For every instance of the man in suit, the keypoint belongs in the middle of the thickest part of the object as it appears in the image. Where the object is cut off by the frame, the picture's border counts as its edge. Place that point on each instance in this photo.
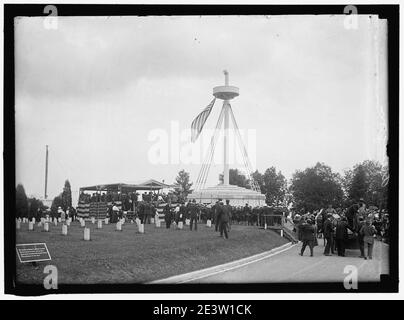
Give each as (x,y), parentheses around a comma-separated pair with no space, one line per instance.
(368,231)
(216,208)
(328,235)
(224,218)
(361,223)
(308,236)
(341,236)
(193,213)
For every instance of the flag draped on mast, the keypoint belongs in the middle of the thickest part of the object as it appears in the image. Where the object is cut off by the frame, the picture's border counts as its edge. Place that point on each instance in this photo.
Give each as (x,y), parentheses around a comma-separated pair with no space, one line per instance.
(199,121)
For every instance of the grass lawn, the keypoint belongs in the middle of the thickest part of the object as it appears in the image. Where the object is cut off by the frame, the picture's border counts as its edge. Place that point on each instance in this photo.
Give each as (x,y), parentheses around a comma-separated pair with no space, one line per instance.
(129,257)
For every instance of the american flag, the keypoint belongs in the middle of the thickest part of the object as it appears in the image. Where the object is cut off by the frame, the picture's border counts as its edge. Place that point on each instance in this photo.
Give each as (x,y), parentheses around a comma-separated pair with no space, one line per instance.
(199,121)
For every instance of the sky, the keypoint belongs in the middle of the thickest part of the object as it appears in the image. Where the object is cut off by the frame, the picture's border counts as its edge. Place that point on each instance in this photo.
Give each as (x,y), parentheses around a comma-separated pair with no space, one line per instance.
(114,97)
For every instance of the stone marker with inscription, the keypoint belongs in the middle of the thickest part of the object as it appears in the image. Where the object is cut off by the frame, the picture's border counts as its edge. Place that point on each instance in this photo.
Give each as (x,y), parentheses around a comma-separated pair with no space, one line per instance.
(32,252)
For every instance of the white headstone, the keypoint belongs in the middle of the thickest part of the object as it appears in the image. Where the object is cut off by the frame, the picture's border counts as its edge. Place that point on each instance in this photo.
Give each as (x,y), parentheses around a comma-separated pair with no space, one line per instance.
(158,223)
(99,225)
(55,221)
(119,226)
(92,220)
(281,233)
(64,230)
(33,220)
(265,226)
(59,219)
(87,234)
(46,226)
(180,225)
(43,220)
(187,222)
(18,224)
(106,221)
(83,223)
(209,223)
(68,222)
(151,220)
(137,220)
(30,226)
(39,224)
(141,227)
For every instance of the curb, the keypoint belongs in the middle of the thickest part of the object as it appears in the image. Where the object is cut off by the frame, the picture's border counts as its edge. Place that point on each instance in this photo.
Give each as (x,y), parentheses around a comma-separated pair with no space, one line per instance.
(203,273)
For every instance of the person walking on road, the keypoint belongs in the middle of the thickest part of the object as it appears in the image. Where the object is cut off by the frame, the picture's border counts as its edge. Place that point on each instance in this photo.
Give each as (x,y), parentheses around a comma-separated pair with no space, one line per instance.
(361,243)
(368,231)
(341,236)
(308,236)
(328,236)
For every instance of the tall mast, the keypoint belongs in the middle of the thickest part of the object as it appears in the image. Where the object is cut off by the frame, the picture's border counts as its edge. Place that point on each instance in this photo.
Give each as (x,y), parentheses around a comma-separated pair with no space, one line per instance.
(226,106)
(46,173)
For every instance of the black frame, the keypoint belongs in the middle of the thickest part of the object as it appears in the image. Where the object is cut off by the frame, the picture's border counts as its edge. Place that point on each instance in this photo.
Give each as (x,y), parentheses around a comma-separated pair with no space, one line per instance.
(389,12)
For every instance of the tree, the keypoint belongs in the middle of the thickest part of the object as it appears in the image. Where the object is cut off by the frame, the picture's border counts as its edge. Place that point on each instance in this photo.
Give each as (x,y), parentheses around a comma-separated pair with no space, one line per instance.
(66,196)
(56,203)
(365,180)
(359,184)
(182,184)
(315,188)
(21,202)
(237,178)
(274,187)
(273,184)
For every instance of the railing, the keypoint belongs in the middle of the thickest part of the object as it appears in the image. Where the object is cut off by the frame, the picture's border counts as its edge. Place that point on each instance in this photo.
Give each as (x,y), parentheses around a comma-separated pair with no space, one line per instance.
(272,220)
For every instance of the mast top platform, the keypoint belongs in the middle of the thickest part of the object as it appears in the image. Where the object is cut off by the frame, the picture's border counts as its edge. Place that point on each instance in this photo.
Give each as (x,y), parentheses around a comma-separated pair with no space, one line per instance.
(226,92)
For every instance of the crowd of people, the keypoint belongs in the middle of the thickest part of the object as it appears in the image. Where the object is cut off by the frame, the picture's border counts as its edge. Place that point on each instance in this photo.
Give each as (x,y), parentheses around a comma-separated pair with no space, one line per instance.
(128,199)
(355,226)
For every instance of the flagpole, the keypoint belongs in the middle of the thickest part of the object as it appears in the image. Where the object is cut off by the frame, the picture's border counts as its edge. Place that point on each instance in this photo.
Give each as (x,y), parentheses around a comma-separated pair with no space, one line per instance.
(226,135)
(226,144)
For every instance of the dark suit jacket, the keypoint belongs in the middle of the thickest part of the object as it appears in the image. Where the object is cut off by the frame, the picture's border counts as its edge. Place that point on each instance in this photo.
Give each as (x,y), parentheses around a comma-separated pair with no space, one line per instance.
(341,232)
(224,213)
(193,211)
(327,229)
(307,232)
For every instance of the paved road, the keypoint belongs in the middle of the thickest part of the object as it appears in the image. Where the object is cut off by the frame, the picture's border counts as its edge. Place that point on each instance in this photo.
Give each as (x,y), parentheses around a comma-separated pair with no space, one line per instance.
(288,266)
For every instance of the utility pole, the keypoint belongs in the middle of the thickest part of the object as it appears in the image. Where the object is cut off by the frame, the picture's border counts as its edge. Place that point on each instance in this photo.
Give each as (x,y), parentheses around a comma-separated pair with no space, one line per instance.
(46,173)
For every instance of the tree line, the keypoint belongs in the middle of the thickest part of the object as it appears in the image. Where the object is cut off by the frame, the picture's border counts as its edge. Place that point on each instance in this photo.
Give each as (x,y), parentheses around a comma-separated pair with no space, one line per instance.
(28,207)
(312,188)
(309,189)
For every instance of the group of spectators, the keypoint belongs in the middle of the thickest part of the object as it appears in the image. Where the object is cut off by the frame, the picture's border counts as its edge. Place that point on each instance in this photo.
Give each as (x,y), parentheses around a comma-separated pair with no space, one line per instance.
(70,212)
(220,214)
(355,226)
